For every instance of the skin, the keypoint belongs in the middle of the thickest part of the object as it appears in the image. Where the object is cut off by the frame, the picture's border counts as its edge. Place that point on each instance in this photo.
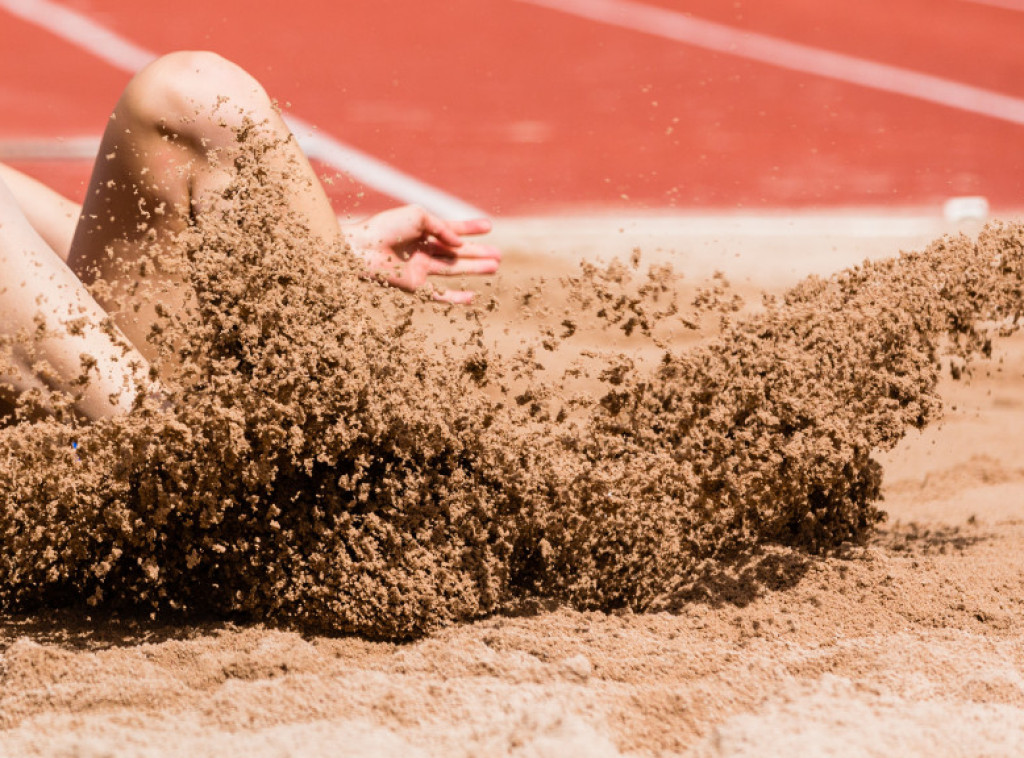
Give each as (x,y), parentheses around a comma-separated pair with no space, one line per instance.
(158,168)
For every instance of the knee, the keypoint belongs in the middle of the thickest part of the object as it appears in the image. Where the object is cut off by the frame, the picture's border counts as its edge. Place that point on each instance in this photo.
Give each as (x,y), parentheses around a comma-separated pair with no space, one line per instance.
(188,87)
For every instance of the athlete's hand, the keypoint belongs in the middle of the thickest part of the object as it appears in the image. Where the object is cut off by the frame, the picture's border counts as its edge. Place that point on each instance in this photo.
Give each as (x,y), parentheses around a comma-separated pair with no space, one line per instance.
(406,245)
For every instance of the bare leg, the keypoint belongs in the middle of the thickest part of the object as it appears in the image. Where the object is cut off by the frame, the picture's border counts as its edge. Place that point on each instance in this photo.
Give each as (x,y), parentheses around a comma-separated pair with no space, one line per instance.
(162,162)
(53,216)
(153,173)
(50,322)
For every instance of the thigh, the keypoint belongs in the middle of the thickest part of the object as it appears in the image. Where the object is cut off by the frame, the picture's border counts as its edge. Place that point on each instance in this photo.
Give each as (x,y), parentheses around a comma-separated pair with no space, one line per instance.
(53,216)
(136,204)
(164,157)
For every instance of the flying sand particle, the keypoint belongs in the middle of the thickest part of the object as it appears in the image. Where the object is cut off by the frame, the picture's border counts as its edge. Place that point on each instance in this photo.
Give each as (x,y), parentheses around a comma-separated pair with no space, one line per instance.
(318,462)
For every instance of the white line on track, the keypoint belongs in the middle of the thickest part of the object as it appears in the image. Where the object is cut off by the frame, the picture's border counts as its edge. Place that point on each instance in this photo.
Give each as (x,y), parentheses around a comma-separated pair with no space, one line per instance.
(59,149)
(1010,5)
(87,34)
(782,53)
(861,224)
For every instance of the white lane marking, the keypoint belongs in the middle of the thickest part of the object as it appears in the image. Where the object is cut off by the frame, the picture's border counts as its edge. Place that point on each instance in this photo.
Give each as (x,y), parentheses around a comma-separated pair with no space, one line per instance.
(375,173)
(58,149)
(866,224)
(1010,5)
(87,34)
(82,31)
(791,55)
(772,251)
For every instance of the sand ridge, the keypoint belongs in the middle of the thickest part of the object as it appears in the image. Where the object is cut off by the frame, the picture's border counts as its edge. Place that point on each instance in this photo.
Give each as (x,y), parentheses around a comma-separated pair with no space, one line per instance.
(619,523)
(316,465)
(905,645)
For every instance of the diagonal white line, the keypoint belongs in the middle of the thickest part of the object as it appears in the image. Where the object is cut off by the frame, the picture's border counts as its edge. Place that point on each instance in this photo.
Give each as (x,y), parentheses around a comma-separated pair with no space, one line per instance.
(376,173)
(87,34)
(774,51)
(1010,5)
(60,149)
(81,31)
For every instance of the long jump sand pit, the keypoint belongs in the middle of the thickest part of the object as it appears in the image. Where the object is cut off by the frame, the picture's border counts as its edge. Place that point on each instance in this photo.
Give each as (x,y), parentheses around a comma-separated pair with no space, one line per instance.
(903,641)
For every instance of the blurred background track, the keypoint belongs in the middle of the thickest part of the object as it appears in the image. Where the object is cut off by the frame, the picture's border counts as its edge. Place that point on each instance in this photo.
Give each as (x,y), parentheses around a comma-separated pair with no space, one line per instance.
(519,108)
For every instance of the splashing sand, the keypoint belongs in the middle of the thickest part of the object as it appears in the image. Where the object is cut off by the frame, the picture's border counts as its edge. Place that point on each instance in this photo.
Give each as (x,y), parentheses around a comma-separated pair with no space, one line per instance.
(321,467)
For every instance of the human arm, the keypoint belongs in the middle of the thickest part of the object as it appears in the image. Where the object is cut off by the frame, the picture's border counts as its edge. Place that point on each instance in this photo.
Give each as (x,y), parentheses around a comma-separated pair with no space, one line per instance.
(406,245)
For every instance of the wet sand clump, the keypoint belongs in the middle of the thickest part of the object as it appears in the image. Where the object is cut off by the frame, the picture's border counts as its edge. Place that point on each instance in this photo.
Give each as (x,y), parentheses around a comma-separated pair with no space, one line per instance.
(320,460)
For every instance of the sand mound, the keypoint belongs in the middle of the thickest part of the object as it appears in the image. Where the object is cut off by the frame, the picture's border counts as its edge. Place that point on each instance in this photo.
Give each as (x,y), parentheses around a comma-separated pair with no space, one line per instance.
(324,462)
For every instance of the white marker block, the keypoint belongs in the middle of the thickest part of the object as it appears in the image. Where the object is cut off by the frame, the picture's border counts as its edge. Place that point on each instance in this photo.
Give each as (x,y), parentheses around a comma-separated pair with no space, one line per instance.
(968,208)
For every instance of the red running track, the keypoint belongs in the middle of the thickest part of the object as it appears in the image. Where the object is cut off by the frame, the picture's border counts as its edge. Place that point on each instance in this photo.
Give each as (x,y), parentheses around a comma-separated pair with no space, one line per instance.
(522,110)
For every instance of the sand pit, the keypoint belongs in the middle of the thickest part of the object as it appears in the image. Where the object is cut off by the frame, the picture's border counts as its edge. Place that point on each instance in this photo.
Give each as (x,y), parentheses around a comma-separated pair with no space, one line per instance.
(901,639)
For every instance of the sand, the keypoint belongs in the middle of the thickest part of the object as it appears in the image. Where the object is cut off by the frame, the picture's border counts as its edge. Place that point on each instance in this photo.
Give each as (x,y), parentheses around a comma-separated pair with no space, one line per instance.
(910,645)
(759,632)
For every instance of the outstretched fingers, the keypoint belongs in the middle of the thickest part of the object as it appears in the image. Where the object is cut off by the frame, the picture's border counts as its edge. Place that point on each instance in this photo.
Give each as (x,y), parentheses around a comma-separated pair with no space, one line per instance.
(467,250)
(450,232)
(449,266)
(407,245)
(471,226)
(454,297)
(446,258)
